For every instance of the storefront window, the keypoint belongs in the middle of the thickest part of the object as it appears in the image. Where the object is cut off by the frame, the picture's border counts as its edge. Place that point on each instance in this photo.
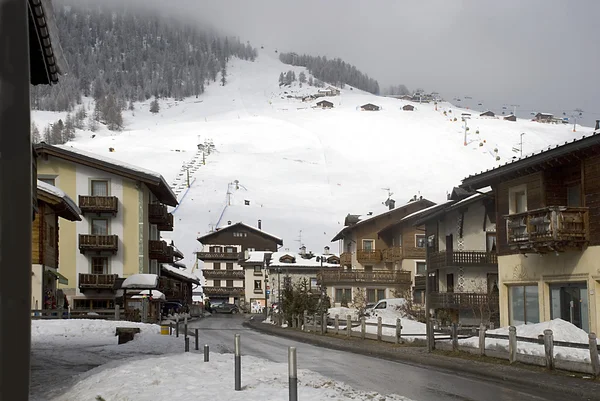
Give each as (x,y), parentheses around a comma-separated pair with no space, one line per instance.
(524,305)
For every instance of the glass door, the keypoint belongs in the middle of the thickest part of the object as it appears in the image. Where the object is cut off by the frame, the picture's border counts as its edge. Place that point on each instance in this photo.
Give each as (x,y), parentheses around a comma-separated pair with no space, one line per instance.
(569,301)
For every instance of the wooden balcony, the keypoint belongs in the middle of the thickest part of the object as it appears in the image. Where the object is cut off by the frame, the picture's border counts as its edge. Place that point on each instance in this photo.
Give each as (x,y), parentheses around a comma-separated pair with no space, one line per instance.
(98,243)
(224,274)
(99,204)
(220,255)
(172,289)
(346,259)
(368,256)
(442,259)
(463,300)
(160,251)
(550,229)
(384,277)
(158,214)
(97,281)
(231,291)
(412,252)
(393,254)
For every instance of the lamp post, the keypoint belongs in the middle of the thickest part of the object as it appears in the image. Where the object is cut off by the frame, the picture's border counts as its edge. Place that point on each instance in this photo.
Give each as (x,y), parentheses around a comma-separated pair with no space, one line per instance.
(266,295)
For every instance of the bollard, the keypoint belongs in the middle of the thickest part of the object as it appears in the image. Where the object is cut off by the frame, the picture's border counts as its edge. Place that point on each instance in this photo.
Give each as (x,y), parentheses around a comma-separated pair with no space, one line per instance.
(512,344)
(315,322)
(337,324)
(177,326)
(185,334)
(363,327)
(398,331)
(348,326)
(196,335)
(238,363)
(187,344)
(454,337)
(323,323)
(206,352)
(379,328)
(117,313)
(171,328)
(594,354)
(304,321)
(293,374)
(549,348)
(482,339)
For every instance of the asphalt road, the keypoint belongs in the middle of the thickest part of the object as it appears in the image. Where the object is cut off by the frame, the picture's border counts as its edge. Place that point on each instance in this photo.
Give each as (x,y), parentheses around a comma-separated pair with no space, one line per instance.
(362,372)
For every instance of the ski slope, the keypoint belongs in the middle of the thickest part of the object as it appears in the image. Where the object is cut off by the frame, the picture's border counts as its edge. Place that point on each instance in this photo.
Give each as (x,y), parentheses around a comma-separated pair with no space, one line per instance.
(300,169)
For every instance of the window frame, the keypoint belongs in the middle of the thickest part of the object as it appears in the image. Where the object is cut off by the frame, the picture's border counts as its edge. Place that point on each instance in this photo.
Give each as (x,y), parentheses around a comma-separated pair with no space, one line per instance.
(99,180)
(417,263)
(512,198)
(417,236)
(105,267)
(372,241)
(106,220)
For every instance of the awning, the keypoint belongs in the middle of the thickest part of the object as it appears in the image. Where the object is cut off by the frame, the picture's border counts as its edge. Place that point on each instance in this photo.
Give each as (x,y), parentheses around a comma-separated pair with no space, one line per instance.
(61,279)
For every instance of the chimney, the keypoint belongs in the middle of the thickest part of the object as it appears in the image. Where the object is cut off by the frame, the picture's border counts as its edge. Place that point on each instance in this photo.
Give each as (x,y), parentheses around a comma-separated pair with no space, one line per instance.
(302,250)
(597,125)
(326,251)
(391,204)
(228,222)
(260,224)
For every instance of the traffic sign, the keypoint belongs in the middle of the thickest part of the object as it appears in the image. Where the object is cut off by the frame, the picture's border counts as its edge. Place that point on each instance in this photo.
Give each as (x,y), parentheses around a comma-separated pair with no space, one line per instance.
(268,292)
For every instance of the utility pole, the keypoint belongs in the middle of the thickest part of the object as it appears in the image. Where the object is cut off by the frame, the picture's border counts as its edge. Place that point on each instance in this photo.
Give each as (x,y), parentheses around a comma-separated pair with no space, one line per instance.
(15,201)
(429,335)
(521,147)
(465,140)
(514,106)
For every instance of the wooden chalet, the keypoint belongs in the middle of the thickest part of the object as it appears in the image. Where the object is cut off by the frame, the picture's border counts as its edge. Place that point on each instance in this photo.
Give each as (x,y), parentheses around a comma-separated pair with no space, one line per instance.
(548,234)
(511,117)
(370,107)
(408,107)
(544,117)
(325,104)
(487,114)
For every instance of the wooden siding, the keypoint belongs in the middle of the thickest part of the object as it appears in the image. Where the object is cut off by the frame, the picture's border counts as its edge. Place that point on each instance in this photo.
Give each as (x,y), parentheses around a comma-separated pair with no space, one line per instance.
(251,240)
(556,181)
(591,185)
(37,237)
(535,200)
(44,236)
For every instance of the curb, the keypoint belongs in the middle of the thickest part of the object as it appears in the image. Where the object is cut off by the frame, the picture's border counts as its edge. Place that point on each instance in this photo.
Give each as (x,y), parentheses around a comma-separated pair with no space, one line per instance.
(499,373)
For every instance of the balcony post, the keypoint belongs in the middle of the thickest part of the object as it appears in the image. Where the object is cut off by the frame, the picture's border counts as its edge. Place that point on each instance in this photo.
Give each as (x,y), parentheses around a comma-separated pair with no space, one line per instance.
(428,327)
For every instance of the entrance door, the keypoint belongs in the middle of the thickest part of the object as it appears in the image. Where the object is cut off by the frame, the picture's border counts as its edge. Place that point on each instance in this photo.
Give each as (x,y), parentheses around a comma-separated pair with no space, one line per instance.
(449,243)
(569,302)
(450,282)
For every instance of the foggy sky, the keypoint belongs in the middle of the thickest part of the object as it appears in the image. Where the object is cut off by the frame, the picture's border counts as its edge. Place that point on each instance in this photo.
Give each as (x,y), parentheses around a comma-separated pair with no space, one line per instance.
(541,54)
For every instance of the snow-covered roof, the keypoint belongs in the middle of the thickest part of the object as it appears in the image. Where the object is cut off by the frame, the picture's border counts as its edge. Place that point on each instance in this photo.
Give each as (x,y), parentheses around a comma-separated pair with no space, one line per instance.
(299,261)
(141,281)
(256,256)
(427,209)
(155,294)
(73,211)
(181,273)
(237,225)
(482,192)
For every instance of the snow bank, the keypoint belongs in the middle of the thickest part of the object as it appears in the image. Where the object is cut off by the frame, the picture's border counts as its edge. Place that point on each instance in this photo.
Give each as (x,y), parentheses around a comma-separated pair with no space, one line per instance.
(187,377)
(343,312)
(43,330)
(141,281)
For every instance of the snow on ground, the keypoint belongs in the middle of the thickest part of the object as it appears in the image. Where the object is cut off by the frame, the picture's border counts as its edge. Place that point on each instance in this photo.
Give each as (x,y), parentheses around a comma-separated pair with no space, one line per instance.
(561,330)
(154,366)
(303,169)
(343,312)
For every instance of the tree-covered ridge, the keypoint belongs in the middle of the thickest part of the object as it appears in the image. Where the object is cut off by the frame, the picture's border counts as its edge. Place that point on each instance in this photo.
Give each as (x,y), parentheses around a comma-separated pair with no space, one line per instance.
(336,71)
(133,57)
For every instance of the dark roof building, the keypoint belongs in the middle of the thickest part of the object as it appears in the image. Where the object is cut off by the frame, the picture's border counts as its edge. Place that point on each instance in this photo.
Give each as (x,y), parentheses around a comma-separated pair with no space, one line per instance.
(370,107)
(408,107)
(325,104)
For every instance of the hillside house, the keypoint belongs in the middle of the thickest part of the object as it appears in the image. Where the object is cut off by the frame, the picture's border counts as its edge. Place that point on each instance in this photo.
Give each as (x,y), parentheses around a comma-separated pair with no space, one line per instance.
(329,91)
(369,107)
(325,104)
(487,114)
(511,117)
(548,234)
(124,209)
(408,107)
(223,252)
(52,203)
(544,117)
(461,259)
(371,264)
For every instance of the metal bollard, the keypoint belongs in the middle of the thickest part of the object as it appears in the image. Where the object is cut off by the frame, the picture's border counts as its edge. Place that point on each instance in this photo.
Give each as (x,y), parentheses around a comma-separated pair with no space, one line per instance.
(187,344)
(196,336)
(238,363)
(293,374)
(185,327)
(206,351)
(177,326)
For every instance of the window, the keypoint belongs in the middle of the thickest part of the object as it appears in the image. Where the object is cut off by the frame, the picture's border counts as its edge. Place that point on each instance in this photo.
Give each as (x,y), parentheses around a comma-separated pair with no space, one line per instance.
(313,283)
(421,268)
(50,181)
(99,188)
(343,295)
(217,283)
(229,266)
(154,232)
(368,245)
(490,242)
(99,227)
(217,249)
(369,268)
(397,241)
(375,295)
(524,304)
(153,266)
(240,234)
(257,271)
(287,282)
(381,305)
(420,240)
(229,283)
(258,284)
(517,199)
(230,249)
(100,265)
(419,297)
(574,195)
(217,265)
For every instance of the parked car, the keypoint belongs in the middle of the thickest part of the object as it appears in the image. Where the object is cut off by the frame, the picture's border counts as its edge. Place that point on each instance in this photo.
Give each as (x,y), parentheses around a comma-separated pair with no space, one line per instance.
(170,308)
(388,304)
(225,308)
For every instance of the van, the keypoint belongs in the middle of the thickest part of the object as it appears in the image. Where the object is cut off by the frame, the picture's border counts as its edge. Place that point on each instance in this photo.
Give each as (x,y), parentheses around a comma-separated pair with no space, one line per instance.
(387,304)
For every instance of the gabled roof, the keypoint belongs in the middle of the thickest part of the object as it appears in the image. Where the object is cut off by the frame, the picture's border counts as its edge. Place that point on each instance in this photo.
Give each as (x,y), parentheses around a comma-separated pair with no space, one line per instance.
(46,58)
(296,260)
(589,144)
(154,181)
(409,218)
(181,274)
(453,204)
(398,210)
(61,202)
(277,240)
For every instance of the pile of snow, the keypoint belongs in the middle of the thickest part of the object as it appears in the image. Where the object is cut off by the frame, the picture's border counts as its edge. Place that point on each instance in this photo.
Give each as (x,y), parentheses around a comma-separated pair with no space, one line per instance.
(561,331)
(343,312)
(44,330)
(187,377)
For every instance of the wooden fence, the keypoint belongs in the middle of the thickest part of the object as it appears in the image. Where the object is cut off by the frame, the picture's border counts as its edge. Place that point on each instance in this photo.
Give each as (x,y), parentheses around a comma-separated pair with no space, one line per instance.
(106,314)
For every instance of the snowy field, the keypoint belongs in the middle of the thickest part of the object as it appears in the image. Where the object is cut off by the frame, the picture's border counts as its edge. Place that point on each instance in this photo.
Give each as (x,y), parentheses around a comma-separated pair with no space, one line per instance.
(154,367)
(302,169)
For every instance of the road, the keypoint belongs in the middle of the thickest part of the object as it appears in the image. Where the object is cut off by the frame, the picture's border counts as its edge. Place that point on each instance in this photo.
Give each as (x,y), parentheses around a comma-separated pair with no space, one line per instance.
(359,371)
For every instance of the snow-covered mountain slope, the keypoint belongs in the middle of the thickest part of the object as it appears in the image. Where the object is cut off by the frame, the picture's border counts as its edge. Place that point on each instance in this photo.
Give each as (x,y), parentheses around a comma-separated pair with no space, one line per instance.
(303,169)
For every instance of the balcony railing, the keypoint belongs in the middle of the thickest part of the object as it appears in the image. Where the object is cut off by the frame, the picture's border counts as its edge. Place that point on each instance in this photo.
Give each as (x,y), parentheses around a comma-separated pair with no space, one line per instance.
(224,274)
(368,256)
(97,281)
(441,259)
(346,258)
(235,291)
(158,214)
(463,300)
(98,204)
(550,228)
(88,242)
(171,288)
(398,277)
(393,254)
(220,255)
(412,252)
(160,251)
